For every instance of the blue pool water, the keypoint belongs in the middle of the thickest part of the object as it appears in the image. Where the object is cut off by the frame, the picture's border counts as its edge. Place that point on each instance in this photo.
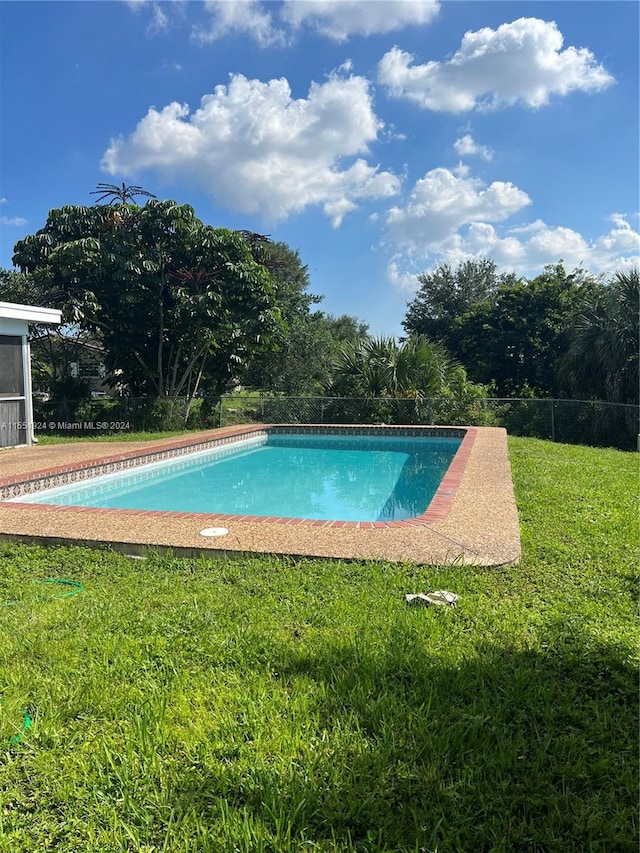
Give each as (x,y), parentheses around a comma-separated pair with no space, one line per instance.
(342,478)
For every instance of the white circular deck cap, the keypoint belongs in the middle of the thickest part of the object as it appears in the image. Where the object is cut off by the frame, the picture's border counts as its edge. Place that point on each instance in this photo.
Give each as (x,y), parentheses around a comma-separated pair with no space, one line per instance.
(214,531)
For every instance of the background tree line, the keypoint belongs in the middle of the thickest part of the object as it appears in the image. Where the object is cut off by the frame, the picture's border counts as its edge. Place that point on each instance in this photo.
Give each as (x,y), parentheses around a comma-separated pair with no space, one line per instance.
(173,307)
(559,334)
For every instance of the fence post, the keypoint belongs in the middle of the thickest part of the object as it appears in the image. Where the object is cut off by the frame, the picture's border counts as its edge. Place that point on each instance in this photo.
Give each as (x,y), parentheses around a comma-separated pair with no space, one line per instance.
(553,420)
(220,415)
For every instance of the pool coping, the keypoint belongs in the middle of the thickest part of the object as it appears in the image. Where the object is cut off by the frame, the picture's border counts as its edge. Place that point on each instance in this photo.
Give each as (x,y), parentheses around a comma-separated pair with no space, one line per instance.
(458,525)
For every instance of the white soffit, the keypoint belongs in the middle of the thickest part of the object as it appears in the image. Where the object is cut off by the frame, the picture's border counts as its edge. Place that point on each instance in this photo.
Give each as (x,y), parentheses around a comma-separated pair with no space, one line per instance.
(29,313)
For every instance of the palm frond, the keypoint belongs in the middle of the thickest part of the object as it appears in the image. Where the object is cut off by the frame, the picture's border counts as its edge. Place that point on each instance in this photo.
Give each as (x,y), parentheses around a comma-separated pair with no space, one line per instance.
(119,194)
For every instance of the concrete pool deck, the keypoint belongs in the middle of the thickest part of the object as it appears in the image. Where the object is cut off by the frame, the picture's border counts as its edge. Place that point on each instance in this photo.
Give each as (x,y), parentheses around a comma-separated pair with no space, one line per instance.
(472,519)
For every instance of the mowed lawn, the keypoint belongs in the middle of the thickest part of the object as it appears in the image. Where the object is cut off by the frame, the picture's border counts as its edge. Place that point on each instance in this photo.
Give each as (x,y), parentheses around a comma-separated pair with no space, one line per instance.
(274,704)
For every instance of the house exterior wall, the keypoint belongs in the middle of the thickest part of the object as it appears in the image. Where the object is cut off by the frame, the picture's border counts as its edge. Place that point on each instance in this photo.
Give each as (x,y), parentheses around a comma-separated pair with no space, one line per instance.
(15,390)
(16,408)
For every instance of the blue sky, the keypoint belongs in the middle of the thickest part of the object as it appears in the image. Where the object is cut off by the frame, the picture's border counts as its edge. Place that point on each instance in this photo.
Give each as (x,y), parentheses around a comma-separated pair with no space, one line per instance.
(377,138)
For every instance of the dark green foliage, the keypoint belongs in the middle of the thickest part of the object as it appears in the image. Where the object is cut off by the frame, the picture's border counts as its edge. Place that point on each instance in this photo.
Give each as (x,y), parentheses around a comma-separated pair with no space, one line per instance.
(514,340)
(601,360)
(162,292)
(381,380)
(382,367)
(508,333)
(558,334)
(447,293)
(18,287)
(289,365)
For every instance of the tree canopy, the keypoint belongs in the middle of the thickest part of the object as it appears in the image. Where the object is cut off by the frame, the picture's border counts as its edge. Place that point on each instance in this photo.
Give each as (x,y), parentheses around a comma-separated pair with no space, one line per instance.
(601,360)
(160,290)
(448,293)
(514,340)
(510,333)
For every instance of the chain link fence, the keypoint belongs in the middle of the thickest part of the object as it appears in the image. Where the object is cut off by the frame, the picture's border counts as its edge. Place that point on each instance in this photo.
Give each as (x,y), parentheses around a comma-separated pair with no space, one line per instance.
(568,421)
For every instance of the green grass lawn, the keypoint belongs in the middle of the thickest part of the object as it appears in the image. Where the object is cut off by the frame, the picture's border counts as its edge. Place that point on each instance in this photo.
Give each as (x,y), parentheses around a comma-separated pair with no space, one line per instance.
(122,435)
(273,704)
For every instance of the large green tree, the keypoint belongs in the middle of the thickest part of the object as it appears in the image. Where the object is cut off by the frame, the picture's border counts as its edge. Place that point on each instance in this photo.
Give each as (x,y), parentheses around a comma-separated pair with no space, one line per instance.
(17,287)
(160,290)
(514,339)
(447,293)
(289,365)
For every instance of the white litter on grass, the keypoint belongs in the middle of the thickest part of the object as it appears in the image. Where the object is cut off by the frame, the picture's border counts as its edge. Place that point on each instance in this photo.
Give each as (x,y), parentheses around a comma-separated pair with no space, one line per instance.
(214,531)
(440,596)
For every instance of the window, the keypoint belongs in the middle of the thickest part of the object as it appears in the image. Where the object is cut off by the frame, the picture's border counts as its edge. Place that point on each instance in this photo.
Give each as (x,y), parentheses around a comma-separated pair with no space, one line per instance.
(11,373)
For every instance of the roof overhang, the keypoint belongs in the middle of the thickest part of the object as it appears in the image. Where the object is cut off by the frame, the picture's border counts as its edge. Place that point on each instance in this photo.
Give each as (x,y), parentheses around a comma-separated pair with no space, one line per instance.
(30,313)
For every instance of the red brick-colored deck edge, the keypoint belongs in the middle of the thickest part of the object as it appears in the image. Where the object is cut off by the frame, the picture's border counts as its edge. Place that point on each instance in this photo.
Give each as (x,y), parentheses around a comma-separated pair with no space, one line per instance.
(437,510)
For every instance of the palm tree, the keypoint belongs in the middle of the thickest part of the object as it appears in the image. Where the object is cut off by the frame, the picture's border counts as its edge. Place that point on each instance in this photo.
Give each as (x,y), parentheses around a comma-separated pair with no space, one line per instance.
(380,367)
(602,358)
(422,369)
(119,194)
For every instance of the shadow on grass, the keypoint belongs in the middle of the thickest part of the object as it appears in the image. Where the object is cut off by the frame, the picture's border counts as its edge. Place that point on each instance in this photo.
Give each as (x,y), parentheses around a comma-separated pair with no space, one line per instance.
(513,750)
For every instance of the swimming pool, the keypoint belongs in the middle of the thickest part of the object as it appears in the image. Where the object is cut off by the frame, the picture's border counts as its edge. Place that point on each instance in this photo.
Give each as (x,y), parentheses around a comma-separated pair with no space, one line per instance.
(472,517)
(322,476)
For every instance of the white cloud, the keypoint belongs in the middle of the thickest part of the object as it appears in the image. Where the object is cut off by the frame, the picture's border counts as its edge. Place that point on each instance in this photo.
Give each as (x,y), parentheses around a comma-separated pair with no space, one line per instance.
(159,21)
(334,19)
(547,244)
(521,62)
(466,146)
(337,210)
(451,216)
(12,220)
(442,202)
(247,16)
(619,248)
(620,220)
(529,228)
(346,67)
(461,170)
(619,241)
(340,19)
(255,149)
(402,280)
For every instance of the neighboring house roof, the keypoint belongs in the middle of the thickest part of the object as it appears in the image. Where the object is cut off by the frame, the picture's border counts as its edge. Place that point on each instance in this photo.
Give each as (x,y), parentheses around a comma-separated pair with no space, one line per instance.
(29,313)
